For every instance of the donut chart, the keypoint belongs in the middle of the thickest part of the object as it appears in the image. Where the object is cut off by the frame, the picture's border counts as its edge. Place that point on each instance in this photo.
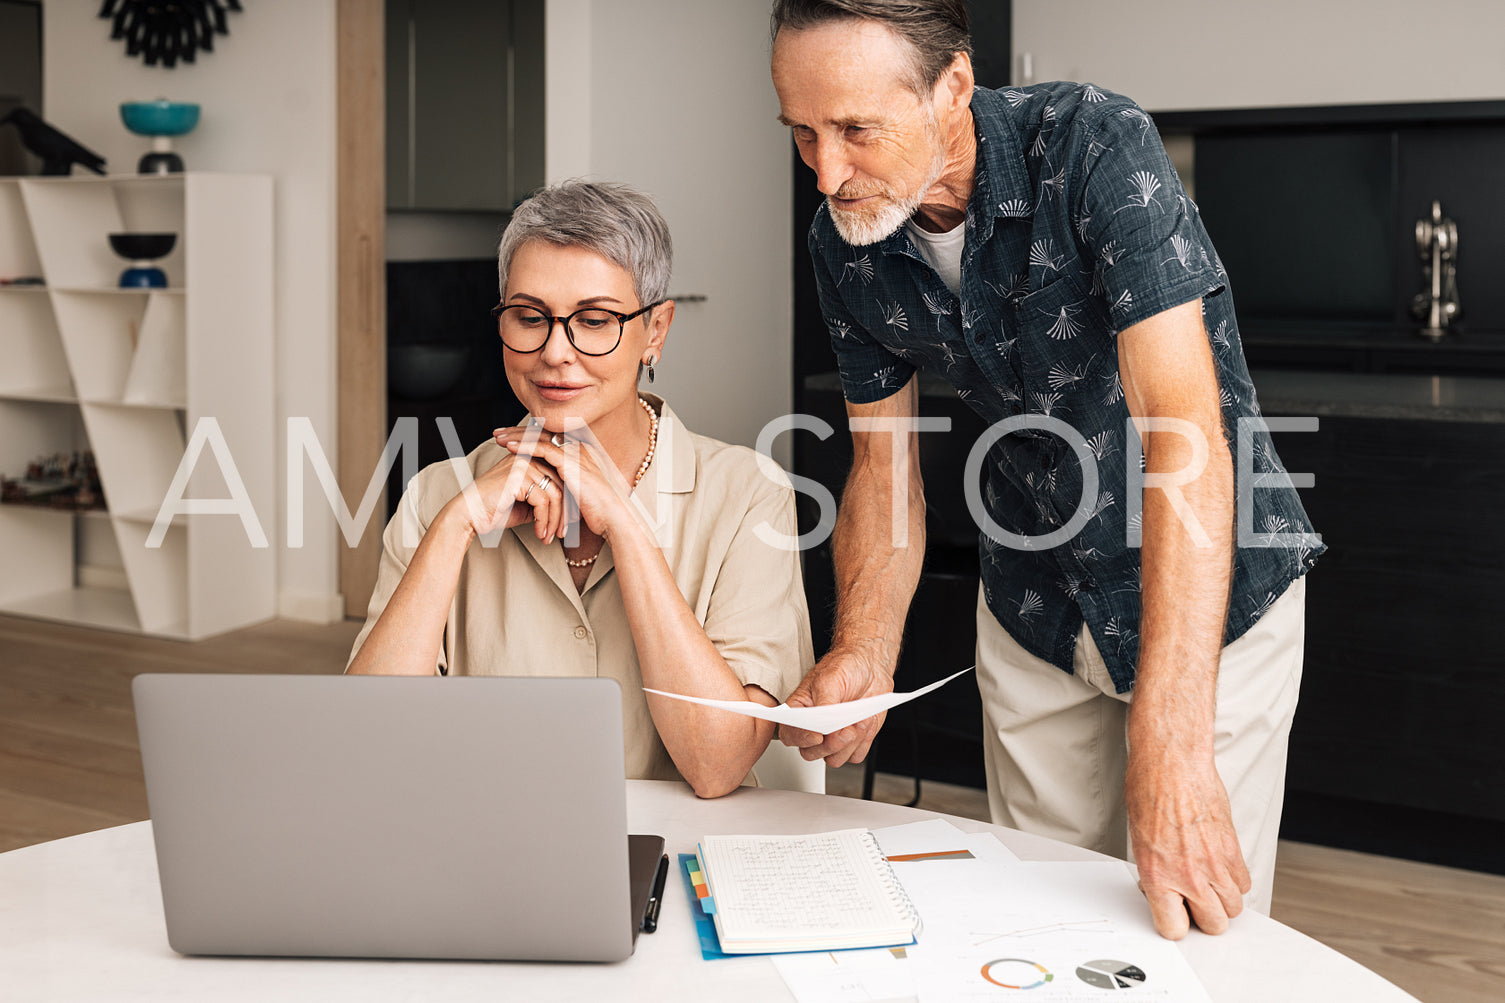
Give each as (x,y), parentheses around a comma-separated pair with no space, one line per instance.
(1016,973)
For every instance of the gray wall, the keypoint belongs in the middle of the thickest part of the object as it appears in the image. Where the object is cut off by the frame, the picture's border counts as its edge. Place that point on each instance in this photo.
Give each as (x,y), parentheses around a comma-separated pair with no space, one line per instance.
(1183,54)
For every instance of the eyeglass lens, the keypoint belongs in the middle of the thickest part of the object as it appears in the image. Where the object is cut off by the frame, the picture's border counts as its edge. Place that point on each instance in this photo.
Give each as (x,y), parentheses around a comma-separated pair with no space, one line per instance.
(593,332)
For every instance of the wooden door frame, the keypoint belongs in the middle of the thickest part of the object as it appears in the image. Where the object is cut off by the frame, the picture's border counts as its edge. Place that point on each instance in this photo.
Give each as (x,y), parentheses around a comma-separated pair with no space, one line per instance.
(361,281)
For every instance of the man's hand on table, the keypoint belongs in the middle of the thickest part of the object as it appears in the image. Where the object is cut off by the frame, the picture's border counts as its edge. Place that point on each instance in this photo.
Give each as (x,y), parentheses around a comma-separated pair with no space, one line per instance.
(1181,830)
(837,678)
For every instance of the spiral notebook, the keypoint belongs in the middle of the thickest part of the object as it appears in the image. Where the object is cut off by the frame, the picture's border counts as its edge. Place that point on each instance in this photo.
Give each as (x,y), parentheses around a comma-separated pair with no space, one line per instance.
(820,892)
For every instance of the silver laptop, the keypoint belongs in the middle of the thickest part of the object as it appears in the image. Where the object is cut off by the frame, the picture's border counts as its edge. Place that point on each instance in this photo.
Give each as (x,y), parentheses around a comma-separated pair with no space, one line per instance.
(371,817)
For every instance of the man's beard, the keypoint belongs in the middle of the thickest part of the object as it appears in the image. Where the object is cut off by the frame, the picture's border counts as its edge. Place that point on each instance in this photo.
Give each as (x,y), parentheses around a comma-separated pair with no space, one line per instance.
(865,226)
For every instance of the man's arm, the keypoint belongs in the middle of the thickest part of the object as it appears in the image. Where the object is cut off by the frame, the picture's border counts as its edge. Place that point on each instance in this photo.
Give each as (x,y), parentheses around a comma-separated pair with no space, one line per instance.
(1180,823)
(875,580)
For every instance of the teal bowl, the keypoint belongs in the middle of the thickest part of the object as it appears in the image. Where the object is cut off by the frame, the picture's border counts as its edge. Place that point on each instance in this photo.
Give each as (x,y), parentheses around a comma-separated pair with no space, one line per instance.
(159,118)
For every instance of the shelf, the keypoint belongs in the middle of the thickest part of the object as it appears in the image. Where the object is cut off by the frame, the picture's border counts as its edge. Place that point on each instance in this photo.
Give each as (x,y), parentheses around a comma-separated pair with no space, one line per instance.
(158,575)
(149,405)
(72,219)
(18,252)
(31,347)
(142,516)
(91,366)
(42,395)
(137,451)
(127,348)
(120,290)
(109,609)
(107,180)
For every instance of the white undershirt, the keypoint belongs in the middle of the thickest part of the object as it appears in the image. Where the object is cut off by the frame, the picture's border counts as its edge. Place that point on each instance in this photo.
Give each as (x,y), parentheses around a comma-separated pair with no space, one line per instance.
(943,251)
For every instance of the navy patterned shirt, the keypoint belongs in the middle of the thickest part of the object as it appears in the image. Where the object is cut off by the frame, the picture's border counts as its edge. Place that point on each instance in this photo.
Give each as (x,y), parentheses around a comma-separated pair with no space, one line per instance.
(1077,228)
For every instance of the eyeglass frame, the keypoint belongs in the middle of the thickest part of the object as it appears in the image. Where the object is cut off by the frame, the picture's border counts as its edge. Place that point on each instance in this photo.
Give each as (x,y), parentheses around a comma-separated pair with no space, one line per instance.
(622,319)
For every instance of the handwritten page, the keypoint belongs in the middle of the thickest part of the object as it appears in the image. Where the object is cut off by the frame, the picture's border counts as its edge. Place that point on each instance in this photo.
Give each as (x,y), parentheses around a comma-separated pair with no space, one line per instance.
(815,892)
(823,719)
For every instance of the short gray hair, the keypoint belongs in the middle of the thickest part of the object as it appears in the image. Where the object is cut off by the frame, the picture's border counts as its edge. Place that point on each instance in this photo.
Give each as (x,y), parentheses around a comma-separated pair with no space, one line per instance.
(616,221)
(936,29)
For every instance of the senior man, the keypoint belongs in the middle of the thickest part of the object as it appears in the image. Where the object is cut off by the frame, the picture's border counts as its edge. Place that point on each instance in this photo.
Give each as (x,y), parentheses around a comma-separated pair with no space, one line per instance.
(1139,647)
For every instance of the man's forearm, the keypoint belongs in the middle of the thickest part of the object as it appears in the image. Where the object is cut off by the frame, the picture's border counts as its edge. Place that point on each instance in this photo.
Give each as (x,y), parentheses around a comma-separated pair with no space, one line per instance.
(875,580)
(1185,603)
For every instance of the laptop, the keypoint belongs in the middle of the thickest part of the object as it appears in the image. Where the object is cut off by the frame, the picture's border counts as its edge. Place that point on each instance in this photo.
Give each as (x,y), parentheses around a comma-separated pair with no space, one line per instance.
(379,817)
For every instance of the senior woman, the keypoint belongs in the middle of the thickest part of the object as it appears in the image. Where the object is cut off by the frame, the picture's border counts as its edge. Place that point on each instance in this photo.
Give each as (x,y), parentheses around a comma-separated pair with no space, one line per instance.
(600,537)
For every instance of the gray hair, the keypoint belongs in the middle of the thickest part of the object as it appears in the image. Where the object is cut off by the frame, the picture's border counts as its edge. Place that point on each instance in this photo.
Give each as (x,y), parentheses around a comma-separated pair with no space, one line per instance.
(615,221)
(936,29)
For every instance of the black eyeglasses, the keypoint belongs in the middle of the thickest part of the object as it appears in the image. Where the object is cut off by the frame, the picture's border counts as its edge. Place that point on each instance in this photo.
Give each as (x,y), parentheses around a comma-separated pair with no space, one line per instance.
(592,330)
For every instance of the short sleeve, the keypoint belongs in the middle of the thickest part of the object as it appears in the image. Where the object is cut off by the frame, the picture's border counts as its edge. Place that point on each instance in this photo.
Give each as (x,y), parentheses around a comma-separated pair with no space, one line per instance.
(869,372)
(1149,249)
(398,542)
(757,616)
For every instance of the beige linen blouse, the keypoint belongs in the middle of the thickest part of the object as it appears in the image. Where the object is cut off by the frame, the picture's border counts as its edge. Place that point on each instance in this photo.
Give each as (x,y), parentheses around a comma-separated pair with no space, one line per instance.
(516,611)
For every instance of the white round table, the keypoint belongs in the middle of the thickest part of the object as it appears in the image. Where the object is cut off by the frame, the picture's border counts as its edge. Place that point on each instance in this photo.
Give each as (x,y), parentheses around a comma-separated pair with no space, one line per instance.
(81,918)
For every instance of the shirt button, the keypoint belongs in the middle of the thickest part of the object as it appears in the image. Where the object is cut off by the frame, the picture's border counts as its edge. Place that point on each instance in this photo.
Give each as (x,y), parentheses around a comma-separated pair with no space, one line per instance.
(977,338)
(580,633)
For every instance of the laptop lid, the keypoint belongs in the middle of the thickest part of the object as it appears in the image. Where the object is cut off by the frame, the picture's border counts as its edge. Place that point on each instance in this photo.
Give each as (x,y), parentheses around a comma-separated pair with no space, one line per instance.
(348,816)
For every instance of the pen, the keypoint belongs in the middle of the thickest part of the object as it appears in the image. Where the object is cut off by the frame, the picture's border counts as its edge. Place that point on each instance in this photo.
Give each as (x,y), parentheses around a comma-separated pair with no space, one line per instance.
(656,897)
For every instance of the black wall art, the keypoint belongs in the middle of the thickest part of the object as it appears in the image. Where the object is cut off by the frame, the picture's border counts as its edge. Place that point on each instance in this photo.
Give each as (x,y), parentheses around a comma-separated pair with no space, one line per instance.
(165,31)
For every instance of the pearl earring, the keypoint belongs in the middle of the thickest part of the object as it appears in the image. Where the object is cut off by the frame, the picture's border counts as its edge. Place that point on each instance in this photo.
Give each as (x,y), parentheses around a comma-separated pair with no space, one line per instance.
(650,362)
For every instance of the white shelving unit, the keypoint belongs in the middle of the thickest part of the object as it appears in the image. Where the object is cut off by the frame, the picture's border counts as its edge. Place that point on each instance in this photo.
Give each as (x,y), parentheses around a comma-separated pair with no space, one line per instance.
(128,373)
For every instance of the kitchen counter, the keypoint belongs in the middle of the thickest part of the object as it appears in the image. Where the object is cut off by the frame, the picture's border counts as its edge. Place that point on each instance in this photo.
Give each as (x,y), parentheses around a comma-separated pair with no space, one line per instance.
(1412,396)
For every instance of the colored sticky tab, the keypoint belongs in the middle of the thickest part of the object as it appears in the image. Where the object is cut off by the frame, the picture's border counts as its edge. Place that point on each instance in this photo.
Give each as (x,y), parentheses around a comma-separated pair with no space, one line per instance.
(698,883)
(705,927)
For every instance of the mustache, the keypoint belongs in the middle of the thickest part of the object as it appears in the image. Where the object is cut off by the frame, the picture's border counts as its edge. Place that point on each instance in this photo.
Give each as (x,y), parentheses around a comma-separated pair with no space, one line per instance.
(854,193)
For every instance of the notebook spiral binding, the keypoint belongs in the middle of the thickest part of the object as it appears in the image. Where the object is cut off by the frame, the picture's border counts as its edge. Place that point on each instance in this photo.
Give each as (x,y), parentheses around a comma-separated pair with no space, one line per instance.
(891,881)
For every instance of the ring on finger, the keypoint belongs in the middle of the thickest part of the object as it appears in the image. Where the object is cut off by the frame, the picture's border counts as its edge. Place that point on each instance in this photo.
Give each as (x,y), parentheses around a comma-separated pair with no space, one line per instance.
(542,482)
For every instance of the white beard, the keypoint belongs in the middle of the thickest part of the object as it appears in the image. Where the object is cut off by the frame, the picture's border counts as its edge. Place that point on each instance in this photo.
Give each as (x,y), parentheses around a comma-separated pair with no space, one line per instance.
(868,226)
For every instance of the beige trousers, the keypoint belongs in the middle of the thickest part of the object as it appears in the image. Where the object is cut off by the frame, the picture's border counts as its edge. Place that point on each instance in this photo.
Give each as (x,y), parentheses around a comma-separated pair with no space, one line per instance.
(1056,747)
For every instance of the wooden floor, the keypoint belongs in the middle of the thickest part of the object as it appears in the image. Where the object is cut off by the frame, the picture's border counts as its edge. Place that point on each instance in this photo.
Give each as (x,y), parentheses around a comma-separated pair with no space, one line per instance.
(69,763)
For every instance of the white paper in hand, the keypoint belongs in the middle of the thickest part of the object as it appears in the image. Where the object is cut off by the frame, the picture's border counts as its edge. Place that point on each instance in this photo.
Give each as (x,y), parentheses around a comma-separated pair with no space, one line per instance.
(823,719)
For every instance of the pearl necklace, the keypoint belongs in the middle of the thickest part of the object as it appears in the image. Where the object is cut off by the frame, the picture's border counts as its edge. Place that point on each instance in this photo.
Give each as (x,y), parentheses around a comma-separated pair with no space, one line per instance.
(642,469)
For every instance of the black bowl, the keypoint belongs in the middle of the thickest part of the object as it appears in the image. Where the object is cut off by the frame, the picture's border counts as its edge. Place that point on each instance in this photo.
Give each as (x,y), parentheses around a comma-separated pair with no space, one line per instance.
(143,246)
(421,372)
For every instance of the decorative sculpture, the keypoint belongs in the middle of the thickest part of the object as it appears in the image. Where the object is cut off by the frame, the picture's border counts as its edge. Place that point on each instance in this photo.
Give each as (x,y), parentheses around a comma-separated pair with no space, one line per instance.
(167,32)
(59,151)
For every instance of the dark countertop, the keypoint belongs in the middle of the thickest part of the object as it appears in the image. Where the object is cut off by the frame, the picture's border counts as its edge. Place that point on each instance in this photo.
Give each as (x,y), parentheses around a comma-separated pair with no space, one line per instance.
(1414,396)
(1406,396)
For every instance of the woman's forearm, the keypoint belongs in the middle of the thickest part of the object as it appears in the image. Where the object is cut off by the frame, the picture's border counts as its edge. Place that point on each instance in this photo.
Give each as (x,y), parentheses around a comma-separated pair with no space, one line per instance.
(714,750)
(409,632)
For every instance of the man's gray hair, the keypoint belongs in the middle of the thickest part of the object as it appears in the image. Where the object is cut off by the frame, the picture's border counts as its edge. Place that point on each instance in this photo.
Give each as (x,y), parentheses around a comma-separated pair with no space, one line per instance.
(937,29)
(616,221)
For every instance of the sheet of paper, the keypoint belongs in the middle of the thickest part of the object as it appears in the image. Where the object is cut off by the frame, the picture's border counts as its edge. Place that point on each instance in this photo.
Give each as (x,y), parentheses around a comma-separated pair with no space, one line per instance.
(938,835)
(936,885)
(1063,931)
(882,975)
(824,719)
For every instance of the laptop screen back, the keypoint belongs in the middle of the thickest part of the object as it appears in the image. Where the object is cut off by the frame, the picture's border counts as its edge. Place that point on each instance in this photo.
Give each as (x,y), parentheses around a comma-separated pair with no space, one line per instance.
(388,817)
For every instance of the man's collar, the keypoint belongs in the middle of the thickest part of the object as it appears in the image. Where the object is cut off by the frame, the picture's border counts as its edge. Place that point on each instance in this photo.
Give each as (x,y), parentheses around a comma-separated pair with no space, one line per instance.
(1002,186)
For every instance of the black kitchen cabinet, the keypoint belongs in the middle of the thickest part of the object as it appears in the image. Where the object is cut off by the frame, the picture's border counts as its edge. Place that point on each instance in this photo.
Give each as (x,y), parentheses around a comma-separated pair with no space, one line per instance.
(1396,746)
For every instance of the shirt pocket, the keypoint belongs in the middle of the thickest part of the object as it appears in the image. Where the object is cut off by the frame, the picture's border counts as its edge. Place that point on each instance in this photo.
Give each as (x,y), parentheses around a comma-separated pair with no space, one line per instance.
(1066,355)
(1062,332)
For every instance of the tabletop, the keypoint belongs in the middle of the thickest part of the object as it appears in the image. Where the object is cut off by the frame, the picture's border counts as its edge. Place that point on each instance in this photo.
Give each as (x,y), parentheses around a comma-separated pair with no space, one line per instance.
(81,918)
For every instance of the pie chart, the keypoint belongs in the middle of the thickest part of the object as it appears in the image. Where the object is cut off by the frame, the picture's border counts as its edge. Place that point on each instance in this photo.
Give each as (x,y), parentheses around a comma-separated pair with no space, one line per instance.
(1111,974)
